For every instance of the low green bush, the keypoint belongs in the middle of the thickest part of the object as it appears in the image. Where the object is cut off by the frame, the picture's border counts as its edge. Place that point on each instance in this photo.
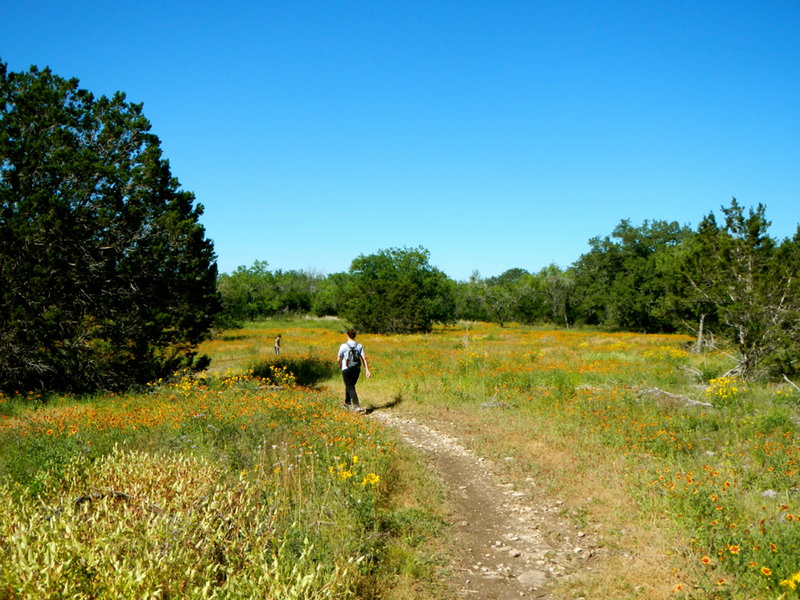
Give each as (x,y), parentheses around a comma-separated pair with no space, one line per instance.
(308,370)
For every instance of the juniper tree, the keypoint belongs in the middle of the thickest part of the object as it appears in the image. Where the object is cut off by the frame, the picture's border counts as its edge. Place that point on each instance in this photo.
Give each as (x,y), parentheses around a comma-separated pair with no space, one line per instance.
(749,281)
(106,276)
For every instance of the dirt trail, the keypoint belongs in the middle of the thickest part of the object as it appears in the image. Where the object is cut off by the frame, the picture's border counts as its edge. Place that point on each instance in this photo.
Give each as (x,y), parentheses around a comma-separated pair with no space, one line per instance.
(510,542)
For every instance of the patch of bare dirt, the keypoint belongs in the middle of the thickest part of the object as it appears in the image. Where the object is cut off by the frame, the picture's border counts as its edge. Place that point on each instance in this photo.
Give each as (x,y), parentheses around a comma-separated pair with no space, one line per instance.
(509,540)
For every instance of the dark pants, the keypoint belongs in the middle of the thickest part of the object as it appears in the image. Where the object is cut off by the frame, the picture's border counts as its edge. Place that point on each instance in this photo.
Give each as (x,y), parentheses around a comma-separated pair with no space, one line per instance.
(350,377)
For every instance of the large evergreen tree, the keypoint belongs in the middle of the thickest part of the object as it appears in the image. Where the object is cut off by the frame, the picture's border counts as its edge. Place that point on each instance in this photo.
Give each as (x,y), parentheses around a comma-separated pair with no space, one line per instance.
(106,276)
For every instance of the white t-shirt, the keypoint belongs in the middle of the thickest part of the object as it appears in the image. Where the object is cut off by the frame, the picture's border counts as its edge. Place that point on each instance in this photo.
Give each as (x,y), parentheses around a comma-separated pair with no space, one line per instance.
(344,350)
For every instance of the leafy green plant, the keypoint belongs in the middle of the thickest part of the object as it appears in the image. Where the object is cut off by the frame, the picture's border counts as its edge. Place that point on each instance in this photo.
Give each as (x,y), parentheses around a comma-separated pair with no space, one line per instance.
(287,369)
(724,391)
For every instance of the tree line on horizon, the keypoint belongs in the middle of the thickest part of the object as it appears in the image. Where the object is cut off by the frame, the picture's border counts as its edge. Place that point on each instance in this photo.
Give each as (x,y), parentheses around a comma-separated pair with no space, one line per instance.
(107,278)
(729,280)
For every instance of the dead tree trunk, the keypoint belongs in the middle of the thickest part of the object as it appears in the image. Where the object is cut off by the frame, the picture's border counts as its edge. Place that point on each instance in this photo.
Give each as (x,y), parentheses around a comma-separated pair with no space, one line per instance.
(698,346)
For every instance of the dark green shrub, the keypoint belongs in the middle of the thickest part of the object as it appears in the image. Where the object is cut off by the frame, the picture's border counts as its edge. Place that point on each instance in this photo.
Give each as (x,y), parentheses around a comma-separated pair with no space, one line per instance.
(307,370)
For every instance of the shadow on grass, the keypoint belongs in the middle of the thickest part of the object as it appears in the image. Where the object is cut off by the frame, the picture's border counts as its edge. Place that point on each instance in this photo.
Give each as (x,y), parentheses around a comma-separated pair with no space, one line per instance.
(397,399)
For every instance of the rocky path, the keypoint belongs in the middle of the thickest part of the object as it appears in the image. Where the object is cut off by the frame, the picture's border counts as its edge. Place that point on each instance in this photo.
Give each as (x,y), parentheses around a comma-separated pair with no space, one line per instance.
(510,542)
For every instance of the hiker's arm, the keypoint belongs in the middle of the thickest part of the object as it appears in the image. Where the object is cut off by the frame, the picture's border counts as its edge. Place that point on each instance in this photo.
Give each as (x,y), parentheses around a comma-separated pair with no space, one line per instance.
(366,366)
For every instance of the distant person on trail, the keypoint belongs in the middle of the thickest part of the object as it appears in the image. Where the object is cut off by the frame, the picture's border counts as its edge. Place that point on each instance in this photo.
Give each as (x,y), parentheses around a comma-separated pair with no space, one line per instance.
(278,344)
(351,355)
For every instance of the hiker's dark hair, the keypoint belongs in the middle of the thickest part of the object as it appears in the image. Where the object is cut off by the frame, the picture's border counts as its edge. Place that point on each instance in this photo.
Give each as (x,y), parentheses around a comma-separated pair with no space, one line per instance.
(351,333)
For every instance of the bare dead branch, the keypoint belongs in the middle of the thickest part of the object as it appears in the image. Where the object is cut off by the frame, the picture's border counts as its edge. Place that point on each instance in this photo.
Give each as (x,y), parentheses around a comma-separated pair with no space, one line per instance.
(689,401)
(714,347)
(791,383)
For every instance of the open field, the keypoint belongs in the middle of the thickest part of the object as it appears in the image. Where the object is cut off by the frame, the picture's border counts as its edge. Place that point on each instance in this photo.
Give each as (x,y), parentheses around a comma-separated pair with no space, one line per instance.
(215,487)
(688,477)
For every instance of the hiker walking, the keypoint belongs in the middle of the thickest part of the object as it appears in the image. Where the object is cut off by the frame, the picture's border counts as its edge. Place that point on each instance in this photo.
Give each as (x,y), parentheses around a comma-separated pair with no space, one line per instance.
(278,344)
(351,355)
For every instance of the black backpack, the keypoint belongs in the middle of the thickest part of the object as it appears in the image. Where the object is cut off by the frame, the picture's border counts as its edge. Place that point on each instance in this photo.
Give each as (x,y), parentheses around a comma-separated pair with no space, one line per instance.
(353,356)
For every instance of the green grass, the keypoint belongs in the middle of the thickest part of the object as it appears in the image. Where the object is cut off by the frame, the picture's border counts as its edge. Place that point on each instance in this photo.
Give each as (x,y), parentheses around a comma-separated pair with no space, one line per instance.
(689,501)
(613,423)
(211,487)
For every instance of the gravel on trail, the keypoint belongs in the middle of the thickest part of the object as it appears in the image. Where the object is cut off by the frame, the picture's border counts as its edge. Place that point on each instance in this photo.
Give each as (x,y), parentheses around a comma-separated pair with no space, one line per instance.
(509,540)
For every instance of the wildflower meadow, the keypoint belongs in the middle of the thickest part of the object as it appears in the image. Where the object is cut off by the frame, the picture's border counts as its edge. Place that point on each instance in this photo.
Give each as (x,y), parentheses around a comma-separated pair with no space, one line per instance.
(200,487)
(230,485)
(670,459)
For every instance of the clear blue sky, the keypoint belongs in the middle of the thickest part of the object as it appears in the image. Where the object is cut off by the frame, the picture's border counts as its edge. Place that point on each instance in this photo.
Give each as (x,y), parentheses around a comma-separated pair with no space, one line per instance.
(494,134)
